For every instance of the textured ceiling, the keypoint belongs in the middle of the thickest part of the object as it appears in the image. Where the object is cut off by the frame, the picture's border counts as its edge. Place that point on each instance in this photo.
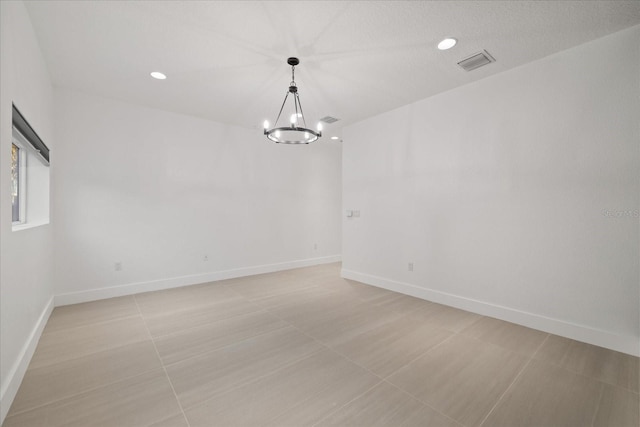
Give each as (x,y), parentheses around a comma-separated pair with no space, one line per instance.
(226,61)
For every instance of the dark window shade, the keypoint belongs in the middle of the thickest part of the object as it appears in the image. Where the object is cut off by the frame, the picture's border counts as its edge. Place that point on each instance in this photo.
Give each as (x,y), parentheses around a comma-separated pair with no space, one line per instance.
(27,131)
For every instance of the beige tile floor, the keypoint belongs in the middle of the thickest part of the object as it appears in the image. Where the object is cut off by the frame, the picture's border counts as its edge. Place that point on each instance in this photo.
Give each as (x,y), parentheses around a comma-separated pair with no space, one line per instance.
(307,348)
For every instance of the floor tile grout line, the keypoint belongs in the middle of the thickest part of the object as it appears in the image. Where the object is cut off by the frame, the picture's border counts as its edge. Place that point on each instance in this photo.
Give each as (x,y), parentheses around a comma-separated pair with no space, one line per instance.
(89,390)
(258,302)
(287,324)
(346,404)
(276,295)
(260,377)
(332,291)
(114,347)
(595,412)
(422,354)
(423,402)
(356,295)
(574,371)
(106,384)
(383,379)
(583,375)
(580,374)
(190,307)
(258,309)
(328,348)
(386,378)
(162,364)
(256,378)
(602,383)
(550,362)
(628,390)
(102,322)
(271,312)
(170,364)
(204,325)
(109,348)
(358,303)
(255,303)
(524,367)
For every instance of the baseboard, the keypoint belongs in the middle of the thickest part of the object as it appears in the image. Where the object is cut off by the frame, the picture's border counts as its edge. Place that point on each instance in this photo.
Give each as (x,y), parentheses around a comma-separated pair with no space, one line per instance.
(625,344)
(175,282)
(12,382)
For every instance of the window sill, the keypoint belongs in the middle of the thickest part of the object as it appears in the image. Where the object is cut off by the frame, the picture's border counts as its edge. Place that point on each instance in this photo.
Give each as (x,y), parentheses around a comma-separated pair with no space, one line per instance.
(28,225)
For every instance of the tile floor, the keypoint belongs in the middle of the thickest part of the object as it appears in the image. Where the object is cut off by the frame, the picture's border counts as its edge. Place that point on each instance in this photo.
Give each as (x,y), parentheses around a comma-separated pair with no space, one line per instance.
(307,348)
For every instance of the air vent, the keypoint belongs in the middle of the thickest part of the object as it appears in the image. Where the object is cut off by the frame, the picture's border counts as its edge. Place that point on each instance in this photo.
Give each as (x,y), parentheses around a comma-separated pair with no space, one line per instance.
(476,61)
(329,119)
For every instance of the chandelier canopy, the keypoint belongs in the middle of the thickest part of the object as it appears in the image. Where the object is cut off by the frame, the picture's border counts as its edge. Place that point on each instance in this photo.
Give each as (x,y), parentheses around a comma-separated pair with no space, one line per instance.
(297,131)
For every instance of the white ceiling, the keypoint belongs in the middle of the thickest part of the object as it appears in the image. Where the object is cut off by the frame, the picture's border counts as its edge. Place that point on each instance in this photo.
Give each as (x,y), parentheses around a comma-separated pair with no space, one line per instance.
(226,60)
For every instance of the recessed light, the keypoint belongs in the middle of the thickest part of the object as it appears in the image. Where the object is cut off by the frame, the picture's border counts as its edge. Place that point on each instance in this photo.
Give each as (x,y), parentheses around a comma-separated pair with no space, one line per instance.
(447,43)
(158,75)
(334,137)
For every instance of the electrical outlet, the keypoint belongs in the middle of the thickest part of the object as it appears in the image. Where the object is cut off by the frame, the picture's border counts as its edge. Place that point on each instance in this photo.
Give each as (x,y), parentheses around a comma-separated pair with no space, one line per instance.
(410,266)
(205,258)
(356,214)
(117,266)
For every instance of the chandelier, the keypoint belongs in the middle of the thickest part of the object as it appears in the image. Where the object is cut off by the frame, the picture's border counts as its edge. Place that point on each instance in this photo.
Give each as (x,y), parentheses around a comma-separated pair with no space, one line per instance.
(297,131)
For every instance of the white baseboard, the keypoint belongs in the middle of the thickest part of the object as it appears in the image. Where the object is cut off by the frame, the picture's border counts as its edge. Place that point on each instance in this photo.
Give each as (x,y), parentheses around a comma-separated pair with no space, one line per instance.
(625,344)
(11,383)
(175,282)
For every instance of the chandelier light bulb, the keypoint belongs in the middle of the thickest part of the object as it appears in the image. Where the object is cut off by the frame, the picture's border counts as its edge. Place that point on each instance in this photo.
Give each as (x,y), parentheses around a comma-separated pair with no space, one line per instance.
(319,127)
(266,124)
(277,134)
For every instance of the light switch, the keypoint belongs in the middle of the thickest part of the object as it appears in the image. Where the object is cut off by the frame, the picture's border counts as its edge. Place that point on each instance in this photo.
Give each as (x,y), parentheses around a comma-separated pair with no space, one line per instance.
(349,214)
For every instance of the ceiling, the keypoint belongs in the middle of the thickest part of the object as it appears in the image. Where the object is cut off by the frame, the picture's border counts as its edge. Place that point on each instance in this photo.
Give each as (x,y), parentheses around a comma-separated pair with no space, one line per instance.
(226,60)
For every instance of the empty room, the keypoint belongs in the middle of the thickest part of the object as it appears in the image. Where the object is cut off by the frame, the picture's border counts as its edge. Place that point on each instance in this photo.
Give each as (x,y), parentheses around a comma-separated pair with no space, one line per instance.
(319,213)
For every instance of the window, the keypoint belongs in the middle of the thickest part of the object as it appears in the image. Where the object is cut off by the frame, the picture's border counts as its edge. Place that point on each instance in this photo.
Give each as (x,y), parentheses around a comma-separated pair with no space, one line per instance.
(29,176)
(18,183)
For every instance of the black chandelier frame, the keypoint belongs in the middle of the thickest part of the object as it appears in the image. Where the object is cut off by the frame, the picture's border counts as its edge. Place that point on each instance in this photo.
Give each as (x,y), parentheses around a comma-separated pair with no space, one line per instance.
(285,134)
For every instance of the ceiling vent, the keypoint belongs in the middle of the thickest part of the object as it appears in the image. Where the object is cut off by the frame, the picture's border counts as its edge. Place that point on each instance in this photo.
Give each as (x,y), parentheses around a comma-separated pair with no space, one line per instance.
(476,61)
(329,119)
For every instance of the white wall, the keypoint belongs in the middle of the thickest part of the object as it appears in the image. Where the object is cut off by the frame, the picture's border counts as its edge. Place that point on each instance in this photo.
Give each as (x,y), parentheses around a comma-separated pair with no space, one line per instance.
(26,285)
(516,196)
(157,191)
